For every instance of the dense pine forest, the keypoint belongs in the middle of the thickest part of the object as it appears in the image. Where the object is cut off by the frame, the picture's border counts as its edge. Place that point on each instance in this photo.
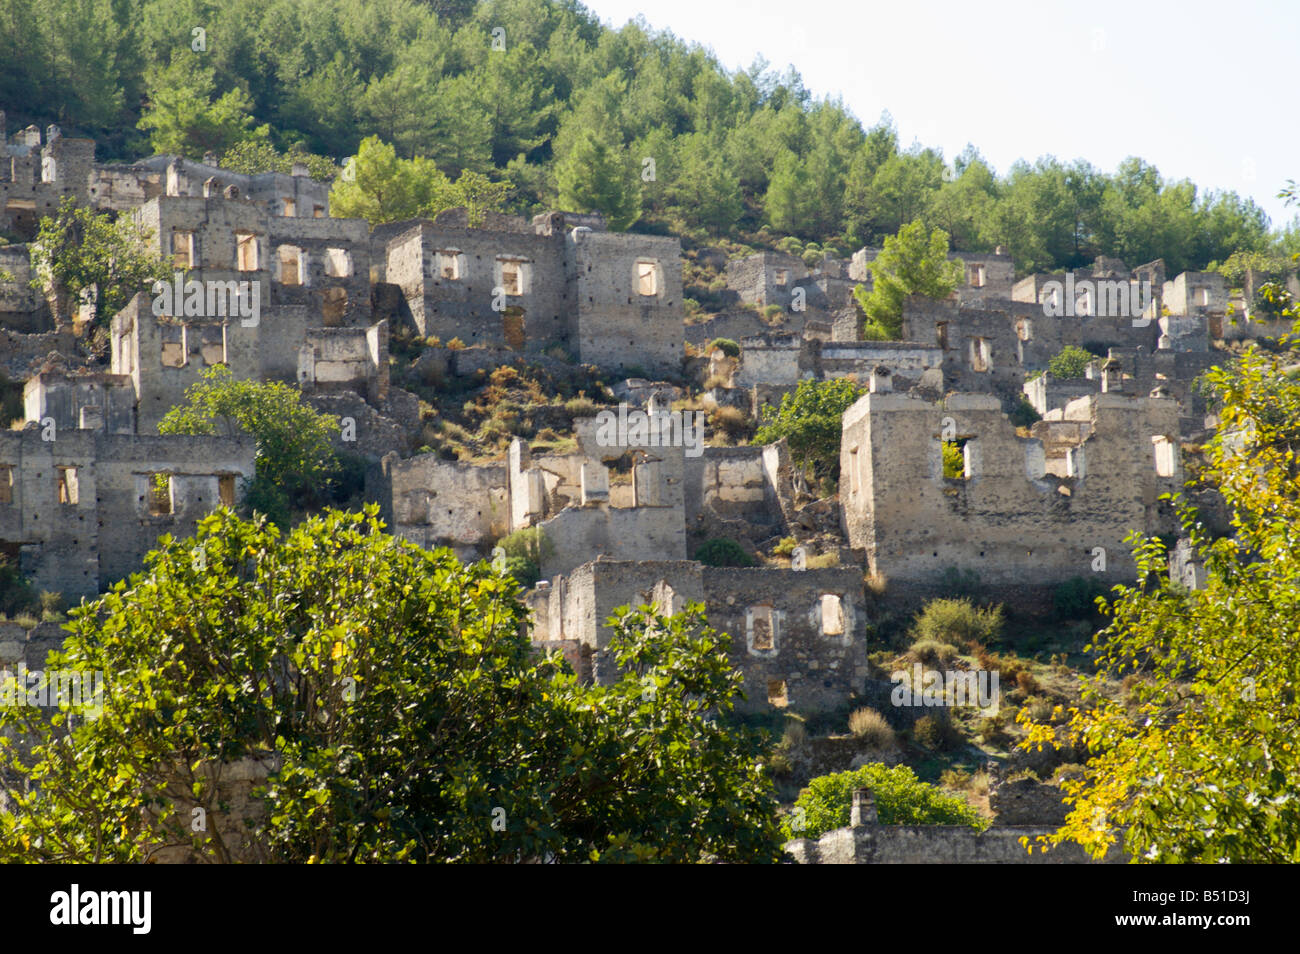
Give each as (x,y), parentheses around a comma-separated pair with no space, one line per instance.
(644,125)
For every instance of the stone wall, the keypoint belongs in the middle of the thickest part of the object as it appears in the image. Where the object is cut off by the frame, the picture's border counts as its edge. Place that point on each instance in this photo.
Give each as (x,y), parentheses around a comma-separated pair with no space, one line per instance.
(626,293)
(1030,508)
(436,502)
(80,510)
(799,637)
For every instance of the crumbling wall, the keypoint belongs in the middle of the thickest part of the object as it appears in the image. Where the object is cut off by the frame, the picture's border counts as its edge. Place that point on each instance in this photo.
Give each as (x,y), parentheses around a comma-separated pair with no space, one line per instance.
(1026,509)
(437,502)
(622,318)
(799,637)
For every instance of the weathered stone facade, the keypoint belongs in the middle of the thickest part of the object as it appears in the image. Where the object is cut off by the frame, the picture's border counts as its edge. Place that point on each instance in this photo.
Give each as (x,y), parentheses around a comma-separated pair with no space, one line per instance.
(1028,508)
(81,510)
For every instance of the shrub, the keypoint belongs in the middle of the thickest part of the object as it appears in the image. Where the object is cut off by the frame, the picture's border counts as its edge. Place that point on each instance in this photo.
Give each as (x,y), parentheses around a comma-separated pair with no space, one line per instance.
(1023,414)
(935,732)
(530,543)
(580,407)
(725,345)
(525,572)
(455,344)
(772,312)
(958,621)
(957,779)
(870,726)
(933,652)
(992,732)
(1070,362)
(51,602)
(1026,682)
(732,422)
(1076,598)
(785,546)
(723,551)
(954,461)
(901,799)
(15,593)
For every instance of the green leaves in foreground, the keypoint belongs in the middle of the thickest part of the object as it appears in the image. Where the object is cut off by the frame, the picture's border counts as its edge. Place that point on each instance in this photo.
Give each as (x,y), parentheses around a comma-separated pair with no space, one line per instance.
(401,711)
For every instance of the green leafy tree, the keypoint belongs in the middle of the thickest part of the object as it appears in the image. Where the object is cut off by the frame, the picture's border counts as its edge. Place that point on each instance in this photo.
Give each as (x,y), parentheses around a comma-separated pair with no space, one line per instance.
(596,176)
(252,156)
(914,262)
(377,186)
(901,799)
(295,457)
(1199,762)
(399,709)
(478,195)
(182,116)
(1070,362)
(92,259)
(810,420)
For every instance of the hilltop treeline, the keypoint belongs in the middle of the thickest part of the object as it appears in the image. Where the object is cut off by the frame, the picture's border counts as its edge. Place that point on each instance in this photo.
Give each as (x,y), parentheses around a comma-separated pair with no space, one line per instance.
(571,113)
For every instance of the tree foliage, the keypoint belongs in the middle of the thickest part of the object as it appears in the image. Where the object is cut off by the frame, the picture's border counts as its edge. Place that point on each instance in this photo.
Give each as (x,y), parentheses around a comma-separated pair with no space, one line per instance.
(1070,362)
(1199,763)
(399,707)
(810,419)
(913,262)
(295,454)
(93,259)
(734,149)
(901,799)
(379,187)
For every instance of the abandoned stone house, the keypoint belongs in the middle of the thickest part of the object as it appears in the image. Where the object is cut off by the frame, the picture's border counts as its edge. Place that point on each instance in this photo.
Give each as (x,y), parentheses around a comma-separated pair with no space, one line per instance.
(614,299)
(80,507)
(1031,510)
(799,637)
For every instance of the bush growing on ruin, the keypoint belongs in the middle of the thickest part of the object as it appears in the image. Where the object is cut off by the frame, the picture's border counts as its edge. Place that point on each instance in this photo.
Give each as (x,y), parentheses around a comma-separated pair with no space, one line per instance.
(1199,764)
(728,347)
(529,543)
(870,726)
(253,156)
(810,421)
(723,551)
(954,461)
(1023,414)
(901,799)
(731,421)
(401,711)
(958,621)
(16,594)
(296,462)
(94,259)
(1070,362)
(785,546)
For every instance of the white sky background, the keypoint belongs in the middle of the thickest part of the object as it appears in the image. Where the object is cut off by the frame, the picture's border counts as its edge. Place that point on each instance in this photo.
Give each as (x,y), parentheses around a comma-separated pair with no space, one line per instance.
(1203,91)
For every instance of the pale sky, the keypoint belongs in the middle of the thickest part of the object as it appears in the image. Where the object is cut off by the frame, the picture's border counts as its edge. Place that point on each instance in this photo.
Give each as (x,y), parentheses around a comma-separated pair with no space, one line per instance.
(1204,91)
